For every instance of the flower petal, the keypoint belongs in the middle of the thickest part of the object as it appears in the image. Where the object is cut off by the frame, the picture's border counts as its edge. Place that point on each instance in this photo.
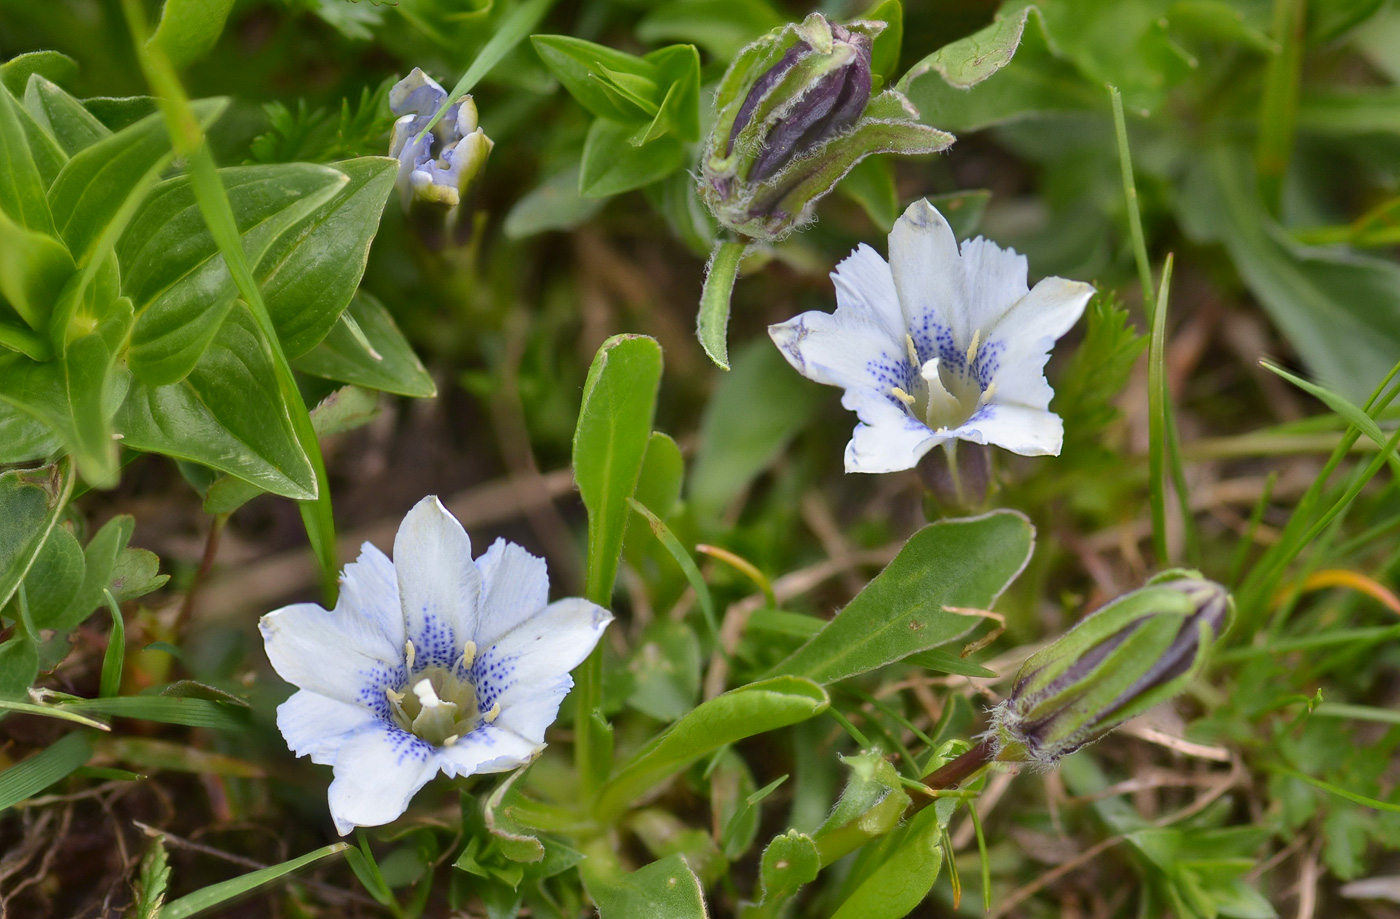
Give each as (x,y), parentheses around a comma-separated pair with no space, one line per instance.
(439,585)
(846,348)
(369,589)
(376,774)
(416,93)
(300,639)
(927,273)
(318,725)
(515,586)
(530,658)
(865,289)
(888,439)
(1023,430)
(1029,330)
(993,280)
(489,748)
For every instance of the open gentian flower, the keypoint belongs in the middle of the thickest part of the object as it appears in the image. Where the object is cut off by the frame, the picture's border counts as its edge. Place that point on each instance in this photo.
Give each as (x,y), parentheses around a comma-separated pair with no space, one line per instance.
(430,662)
(936,346)
(440,168)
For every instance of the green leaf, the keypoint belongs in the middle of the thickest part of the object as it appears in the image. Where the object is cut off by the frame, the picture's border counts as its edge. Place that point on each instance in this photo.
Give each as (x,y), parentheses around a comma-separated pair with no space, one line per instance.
(610,444)
(135,574)
(1349,411)
(959,563)
(19,665)
(22,188)
(659,484)
(968,61)
(99,188)
(740,435)
(903,877)
(721,27)
(24,438)
(228,414)
(1334,306)
(31,776)
(52,65)
(667,666)
(366,348)
(217,894)
(191,712)
(513,28)
(870,183)
(789,861)
(597,77)
(30,503)
(612,164)
(510,837)
(712,325)
(54,579)
(34,269)
(313,269)
(554,204)
(152,881)
(1349,113)
(70,124)
(172,269)
(110,682)
(686,563)
(188,29)
(884,56)
(739,713)
(665,889)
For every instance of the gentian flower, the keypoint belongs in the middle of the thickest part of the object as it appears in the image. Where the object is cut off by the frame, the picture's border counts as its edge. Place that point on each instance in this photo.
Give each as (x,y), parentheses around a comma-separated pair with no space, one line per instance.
(440,168)
(432,662)
(936,346)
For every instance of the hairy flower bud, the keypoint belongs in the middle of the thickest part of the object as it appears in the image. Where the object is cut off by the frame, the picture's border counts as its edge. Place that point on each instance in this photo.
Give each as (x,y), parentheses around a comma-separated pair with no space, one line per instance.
(793,114)
(1121,660)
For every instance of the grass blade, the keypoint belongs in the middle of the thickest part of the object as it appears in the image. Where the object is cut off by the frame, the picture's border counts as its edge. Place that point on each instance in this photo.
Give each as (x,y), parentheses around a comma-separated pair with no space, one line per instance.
(113,657)
(218,894)
(31,776)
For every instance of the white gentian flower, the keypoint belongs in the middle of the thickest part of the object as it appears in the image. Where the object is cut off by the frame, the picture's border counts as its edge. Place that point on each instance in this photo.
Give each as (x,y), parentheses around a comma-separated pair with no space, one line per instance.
(937,345)
(440,167)
(430,662)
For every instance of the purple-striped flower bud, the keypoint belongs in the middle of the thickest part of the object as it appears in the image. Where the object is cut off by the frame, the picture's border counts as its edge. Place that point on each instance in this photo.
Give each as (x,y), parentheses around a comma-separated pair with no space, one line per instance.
(1121,660)
(793,114)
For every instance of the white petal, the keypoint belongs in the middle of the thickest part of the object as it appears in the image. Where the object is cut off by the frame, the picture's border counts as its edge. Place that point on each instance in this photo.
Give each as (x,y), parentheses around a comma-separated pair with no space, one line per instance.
(376,774)
(369,589)
(846,348)
(531,658)
(318,726)
(531,713)
(1029,329)
(439,585)
(489,748)
(1027,431)
(337,653)
(515,586)
(888,438)
(994,279)
(927,272)
(865,290)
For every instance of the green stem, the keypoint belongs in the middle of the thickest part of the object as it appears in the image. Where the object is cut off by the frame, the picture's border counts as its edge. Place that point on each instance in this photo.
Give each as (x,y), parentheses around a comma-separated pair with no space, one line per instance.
(712,325)
(1278,112)
(1125,164)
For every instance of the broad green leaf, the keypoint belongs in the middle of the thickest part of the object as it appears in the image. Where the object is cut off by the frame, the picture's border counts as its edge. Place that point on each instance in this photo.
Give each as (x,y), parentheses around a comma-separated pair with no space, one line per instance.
(31,776)
(739,713)
(903,876)
(870,183)
(968,61)
(1334,306)
(136,573)
(659,485)
(192,712)
(110,681)
(665,889)
(188,29)
(870,807)
(49,157)
(72,126)
(1126,45)
(52,65)
(721,27)
(227,414)
(789,861)
(554,204)
(667,665)
(34,269)
(22,188)
(313,269)
(741,434)
(960,563)
(597,77)
(98,560)
(30,503)
(96,192)
(612,164)
(610,444)
(884,56)
(24,438)
(514,841)
(19,665)
(217,894)
(366,348)
(172,269)
(54,579)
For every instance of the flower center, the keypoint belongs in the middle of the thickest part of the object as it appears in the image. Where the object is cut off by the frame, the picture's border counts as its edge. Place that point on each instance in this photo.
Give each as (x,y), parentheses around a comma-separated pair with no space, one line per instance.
(436,705)
(944,397)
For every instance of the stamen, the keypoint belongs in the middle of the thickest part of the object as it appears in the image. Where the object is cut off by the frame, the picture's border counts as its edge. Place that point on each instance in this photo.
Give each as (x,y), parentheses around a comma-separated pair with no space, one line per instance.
(468,654)
(395,697)
(492,713)
(987,393)
(451,739)
(972,348)
(901,395)
(409,654)
(913,352)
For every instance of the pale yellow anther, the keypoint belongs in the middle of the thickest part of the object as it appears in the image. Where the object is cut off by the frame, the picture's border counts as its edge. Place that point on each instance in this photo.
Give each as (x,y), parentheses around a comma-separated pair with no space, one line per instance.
(913,351)
(409,654)
(972,348)
(468,654)
(901,395)
(987,393)
(492,713)
(394,697)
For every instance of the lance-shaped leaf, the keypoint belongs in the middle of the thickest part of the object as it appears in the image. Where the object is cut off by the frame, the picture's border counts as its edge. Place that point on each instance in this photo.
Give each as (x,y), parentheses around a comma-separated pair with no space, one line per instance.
(954,563)
(70,124)
(22,188)
(188,29)
(53,65)
(30,503)
(366,348)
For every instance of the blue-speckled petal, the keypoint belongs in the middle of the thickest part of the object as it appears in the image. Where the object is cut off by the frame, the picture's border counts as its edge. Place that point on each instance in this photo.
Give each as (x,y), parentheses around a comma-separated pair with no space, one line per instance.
(377,773)
(1027,431)
(439,585)
(318,726)
(489,748)
(331,652)
(1027,333)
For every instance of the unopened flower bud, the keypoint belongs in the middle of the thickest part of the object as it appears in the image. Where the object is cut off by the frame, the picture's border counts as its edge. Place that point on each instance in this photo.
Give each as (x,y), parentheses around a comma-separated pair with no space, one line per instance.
(793,115)
(1121,660)
(438,171)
